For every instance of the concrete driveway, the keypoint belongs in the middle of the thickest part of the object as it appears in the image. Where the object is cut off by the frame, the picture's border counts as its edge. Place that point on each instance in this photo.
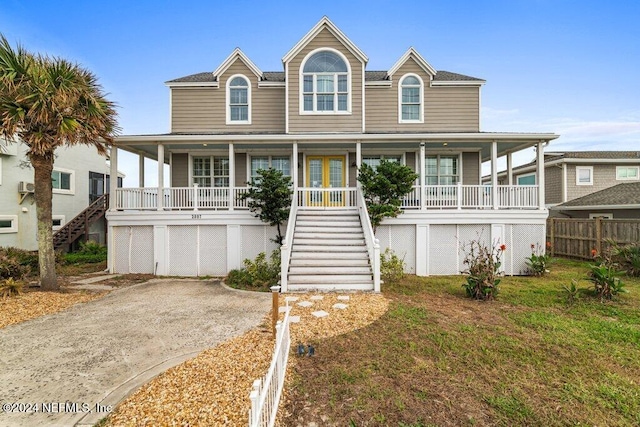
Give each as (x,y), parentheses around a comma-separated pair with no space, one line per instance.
(65,369)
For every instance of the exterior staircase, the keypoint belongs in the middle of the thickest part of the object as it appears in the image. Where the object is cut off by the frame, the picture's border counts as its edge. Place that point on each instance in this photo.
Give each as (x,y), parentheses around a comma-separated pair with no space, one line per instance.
(329,251)
(79,225)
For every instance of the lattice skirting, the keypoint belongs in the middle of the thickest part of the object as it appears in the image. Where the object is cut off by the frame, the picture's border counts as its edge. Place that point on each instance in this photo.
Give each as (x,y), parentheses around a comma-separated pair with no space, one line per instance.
(440,249)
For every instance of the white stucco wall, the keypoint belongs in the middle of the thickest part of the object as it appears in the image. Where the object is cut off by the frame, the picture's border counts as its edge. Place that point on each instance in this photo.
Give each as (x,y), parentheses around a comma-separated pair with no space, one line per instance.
(14,168)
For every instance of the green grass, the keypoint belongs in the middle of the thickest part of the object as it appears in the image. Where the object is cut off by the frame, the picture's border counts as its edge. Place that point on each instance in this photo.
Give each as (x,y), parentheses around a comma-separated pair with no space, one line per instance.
(529,358)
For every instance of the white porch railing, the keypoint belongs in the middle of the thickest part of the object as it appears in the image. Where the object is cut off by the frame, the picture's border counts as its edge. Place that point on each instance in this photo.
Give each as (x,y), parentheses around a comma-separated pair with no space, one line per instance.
(266,392)
(327,197)
(285,249)
(373,244)
(471,197)
(181,198)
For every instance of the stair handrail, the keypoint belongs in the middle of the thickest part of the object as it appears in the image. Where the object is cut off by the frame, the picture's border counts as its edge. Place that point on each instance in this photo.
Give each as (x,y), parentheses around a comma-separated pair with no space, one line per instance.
(373,244)
(102,201)
(285,249)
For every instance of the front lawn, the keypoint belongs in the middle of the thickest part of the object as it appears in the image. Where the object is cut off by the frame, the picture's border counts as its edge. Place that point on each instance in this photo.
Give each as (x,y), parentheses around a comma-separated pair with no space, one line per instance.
(438,358)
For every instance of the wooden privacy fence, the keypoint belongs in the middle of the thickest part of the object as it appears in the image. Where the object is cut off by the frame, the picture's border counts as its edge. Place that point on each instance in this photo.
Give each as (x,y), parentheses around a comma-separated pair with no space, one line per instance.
(576,238)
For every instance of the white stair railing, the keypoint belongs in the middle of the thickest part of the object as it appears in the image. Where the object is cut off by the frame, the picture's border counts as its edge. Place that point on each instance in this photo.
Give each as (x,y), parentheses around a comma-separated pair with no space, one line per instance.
(285,249)
(266,392)
(373,244)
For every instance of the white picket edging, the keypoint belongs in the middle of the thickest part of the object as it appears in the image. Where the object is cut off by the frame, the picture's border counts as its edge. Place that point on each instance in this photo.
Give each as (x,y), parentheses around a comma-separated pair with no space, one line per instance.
(266,392)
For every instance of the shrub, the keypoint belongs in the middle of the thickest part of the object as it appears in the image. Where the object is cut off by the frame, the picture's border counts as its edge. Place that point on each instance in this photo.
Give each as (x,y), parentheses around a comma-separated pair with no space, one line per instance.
(90,252)
(391,267)
(259,274)
(628,256)
(538,261)
(605,279)
(13,264)
(11,287)
(483,270)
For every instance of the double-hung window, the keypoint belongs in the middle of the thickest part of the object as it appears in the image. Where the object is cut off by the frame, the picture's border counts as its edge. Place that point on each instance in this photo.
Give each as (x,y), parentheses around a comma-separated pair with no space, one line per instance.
(325,83)
(280,163)
(62,181)
(374,160)
(210,171)
(584,175)
(238,99)
(411,108)
(442,170)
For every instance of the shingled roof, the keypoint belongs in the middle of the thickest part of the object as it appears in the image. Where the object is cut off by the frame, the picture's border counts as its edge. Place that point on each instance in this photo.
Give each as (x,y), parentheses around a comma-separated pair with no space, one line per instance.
(278,76)
(550,156)
(627,193)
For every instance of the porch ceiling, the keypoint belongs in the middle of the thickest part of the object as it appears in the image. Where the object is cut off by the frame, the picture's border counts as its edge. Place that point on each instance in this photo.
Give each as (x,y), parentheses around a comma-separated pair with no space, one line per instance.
(146,145)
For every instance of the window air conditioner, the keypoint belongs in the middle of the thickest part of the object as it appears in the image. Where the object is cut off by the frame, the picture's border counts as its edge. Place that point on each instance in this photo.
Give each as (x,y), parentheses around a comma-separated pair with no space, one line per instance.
(26,187)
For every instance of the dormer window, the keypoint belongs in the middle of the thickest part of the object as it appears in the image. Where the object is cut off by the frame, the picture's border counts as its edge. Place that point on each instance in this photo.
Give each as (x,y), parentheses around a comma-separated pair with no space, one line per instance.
(411,102)
(325,83)
(238,100)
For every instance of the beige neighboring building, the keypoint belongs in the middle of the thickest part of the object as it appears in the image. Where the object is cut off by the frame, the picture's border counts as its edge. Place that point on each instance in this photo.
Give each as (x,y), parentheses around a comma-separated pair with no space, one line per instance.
(317,120)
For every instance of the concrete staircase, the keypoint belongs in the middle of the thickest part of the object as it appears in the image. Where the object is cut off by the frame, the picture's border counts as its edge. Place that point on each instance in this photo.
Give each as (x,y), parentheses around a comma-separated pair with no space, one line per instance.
(329,251)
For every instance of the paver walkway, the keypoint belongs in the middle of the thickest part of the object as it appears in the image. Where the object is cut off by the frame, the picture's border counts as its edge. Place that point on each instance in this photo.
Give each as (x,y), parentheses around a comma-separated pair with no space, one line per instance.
(63,365)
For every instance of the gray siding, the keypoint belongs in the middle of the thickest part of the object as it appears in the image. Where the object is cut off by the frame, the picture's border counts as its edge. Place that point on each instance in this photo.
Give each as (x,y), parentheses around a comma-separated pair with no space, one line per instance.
(446,109)
(410,160)
(553,184)
(604,176)
(470,169)
(180,170)
(301,123)
(617,214)
(241,169)
(203,109)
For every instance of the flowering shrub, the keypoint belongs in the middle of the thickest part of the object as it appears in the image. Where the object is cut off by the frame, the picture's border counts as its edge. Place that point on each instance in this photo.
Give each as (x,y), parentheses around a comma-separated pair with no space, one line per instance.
(483,270)
(538,261)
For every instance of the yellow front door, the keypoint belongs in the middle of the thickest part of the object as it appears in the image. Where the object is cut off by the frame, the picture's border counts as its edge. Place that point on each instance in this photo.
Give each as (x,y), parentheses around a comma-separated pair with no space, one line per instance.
(325,172)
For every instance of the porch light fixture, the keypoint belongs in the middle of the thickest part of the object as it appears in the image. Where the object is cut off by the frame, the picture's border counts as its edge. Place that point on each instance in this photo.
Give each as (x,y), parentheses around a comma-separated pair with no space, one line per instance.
(444,144)
(204,145)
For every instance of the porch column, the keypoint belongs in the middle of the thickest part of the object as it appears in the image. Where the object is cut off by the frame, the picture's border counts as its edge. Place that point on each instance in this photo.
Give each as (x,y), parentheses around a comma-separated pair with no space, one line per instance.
(358,161)
(294,166)
(113,180)
(232,176)
(494,174)
(160,177)
(509,169)
(140,170)
(423,205)
(540,170)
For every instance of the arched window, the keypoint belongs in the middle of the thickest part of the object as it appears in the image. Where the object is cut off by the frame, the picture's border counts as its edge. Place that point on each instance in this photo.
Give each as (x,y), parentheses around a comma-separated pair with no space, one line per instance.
(238,100)
(411,108)
(325,83)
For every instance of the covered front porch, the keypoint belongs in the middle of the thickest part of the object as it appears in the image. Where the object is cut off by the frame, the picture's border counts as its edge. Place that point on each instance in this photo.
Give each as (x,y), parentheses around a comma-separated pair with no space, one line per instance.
(210,173)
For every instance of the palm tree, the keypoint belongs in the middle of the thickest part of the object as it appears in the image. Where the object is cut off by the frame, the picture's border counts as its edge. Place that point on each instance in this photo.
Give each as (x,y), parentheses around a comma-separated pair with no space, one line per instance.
(49,102)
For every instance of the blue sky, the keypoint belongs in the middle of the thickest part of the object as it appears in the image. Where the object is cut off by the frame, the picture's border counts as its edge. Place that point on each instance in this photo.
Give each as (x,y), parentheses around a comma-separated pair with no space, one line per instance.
(569,67)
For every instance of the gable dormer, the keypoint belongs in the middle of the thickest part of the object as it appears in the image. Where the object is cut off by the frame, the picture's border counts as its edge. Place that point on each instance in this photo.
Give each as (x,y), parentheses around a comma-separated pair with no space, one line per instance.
(236,98)
(324,74)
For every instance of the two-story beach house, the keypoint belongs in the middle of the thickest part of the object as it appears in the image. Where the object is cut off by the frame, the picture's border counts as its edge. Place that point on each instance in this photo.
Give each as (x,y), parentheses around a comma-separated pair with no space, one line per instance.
(318,121)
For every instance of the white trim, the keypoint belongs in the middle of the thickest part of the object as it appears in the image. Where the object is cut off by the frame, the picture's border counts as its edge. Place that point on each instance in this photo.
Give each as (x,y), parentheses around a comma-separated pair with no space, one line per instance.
(564,183)
(477,83)
(590,169)
(301,73)
(60,218)
(228,101)
(364,128)
(382,83)
(594,207)
(618,168)
(419,60)
(601,215)
(72,181)
(421,105)
(14,224)
(286,98)
(484,137)
(237,53)
(192,84)
(525,175)
(330,26)
(264,84)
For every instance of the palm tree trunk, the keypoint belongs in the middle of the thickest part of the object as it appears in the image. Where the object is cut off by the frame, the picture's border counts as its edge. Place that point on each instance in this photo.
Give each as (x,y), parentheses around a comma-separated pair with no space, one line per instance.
(43,166)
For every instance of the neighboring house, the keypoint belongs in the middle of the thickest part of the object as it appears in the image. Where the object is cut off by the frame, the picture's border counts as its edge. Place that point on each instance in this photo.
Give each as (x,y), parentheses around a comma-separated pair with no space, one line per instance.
(79,178)
(622,201)
(318,121)
(575,174)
